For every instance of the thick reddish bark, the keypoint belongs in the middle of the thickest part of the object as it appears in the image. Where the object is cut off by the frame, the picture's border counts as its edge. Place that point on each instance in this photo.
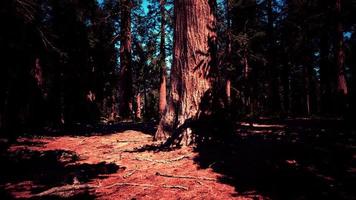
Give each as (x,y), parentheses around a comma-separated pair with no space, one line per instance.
(125,61)
(194,40)
(163,83)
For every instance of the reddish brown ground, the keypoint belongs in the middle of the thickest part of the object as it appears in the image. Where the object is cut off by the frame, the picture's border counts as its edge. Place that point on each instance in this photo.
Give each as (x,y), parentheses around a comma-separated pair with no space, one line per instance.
(290,159)
(136,177)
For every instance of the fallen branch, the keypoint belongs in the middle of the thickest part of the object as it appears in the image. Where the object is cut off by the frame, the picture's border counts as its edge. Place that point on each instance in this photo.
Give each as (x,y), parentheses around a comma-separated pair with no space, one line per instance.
(129,174)
(129,184)
(65,191)
(146,185)
(163,161)
(134,141)
(175,187)
(186,177)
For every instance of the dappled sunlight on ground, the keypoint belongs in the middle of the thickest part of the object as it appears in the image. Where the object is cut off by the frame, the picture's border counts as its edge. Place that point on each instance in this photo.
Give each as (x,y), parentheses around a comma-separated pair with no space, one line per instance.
(108,167)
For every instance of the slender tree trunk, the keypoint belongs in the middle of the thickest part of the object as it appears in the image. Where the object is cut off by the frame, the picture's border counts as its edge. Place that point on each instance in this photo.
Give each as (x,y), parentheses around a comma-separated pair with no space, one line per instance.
(246,69)
(247,83)
(138,108)
(145,99)
(193,61)
(125,61)
(62,99)
(352,94)
(325,74)
(307,89)
(274,75)
(228,54)
(143,60)
(286,86)
(228,91)
(341,85)
(308,79)
(341,80)
(163,77)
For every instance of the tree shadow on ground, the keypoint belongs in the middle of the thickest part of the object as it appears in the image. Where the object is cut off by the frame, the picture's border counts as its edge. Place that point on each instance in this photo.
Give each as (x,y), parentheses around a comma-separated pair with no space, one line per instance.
(277,158)
(293,159)
(89,130)
(38,171)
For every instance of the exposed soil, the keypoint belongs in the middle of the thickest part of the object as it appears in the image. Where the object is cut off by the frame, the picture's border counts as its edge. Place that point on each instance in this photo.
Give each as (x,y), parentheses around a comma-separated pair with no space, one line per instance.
(134,175)
(263,161)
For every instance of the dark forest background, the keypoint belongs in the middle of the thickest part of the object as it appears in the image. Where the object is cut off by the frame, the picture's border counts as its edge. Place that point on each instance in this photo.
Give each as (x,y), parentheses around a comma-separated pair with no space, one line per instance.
(60,60)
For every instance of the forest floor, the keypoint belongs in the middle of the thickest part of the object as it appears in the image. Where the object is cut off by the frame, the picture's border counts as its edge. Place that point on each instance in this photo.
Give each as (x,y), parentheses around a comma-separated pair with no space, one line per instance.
(266,161)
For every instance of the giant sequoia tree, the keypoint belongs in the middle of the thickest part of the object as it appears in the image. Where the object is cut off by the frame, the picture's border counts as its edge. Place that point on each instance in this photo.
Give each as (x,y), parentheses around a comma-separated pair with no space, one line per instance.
(193,61)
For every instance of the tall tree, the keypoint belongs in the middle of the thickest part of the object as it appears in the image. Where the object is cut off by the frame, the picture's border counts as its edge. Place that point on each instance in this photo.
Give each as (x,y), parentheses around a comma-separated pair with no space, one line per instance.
(342,90)
(228,51)
(353,74)
(125,61)
(193,61)
(163,73)
(325,73)
(274,79)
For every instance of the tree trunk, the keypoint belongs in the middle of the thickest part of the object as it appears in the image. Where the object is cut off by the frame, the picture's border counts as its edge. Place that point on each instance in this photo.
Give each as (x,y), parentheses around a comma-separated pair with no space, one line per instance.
(246,68)
(352,109)
(228,91)
(248,87)
(341,80)
(307,80)
(341,85)
(274,73)
(163,87)
(193,61)
(286,86)
(325,74)
(228,54)
(125,61)
(341,88)
(145,109)
(139,107)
